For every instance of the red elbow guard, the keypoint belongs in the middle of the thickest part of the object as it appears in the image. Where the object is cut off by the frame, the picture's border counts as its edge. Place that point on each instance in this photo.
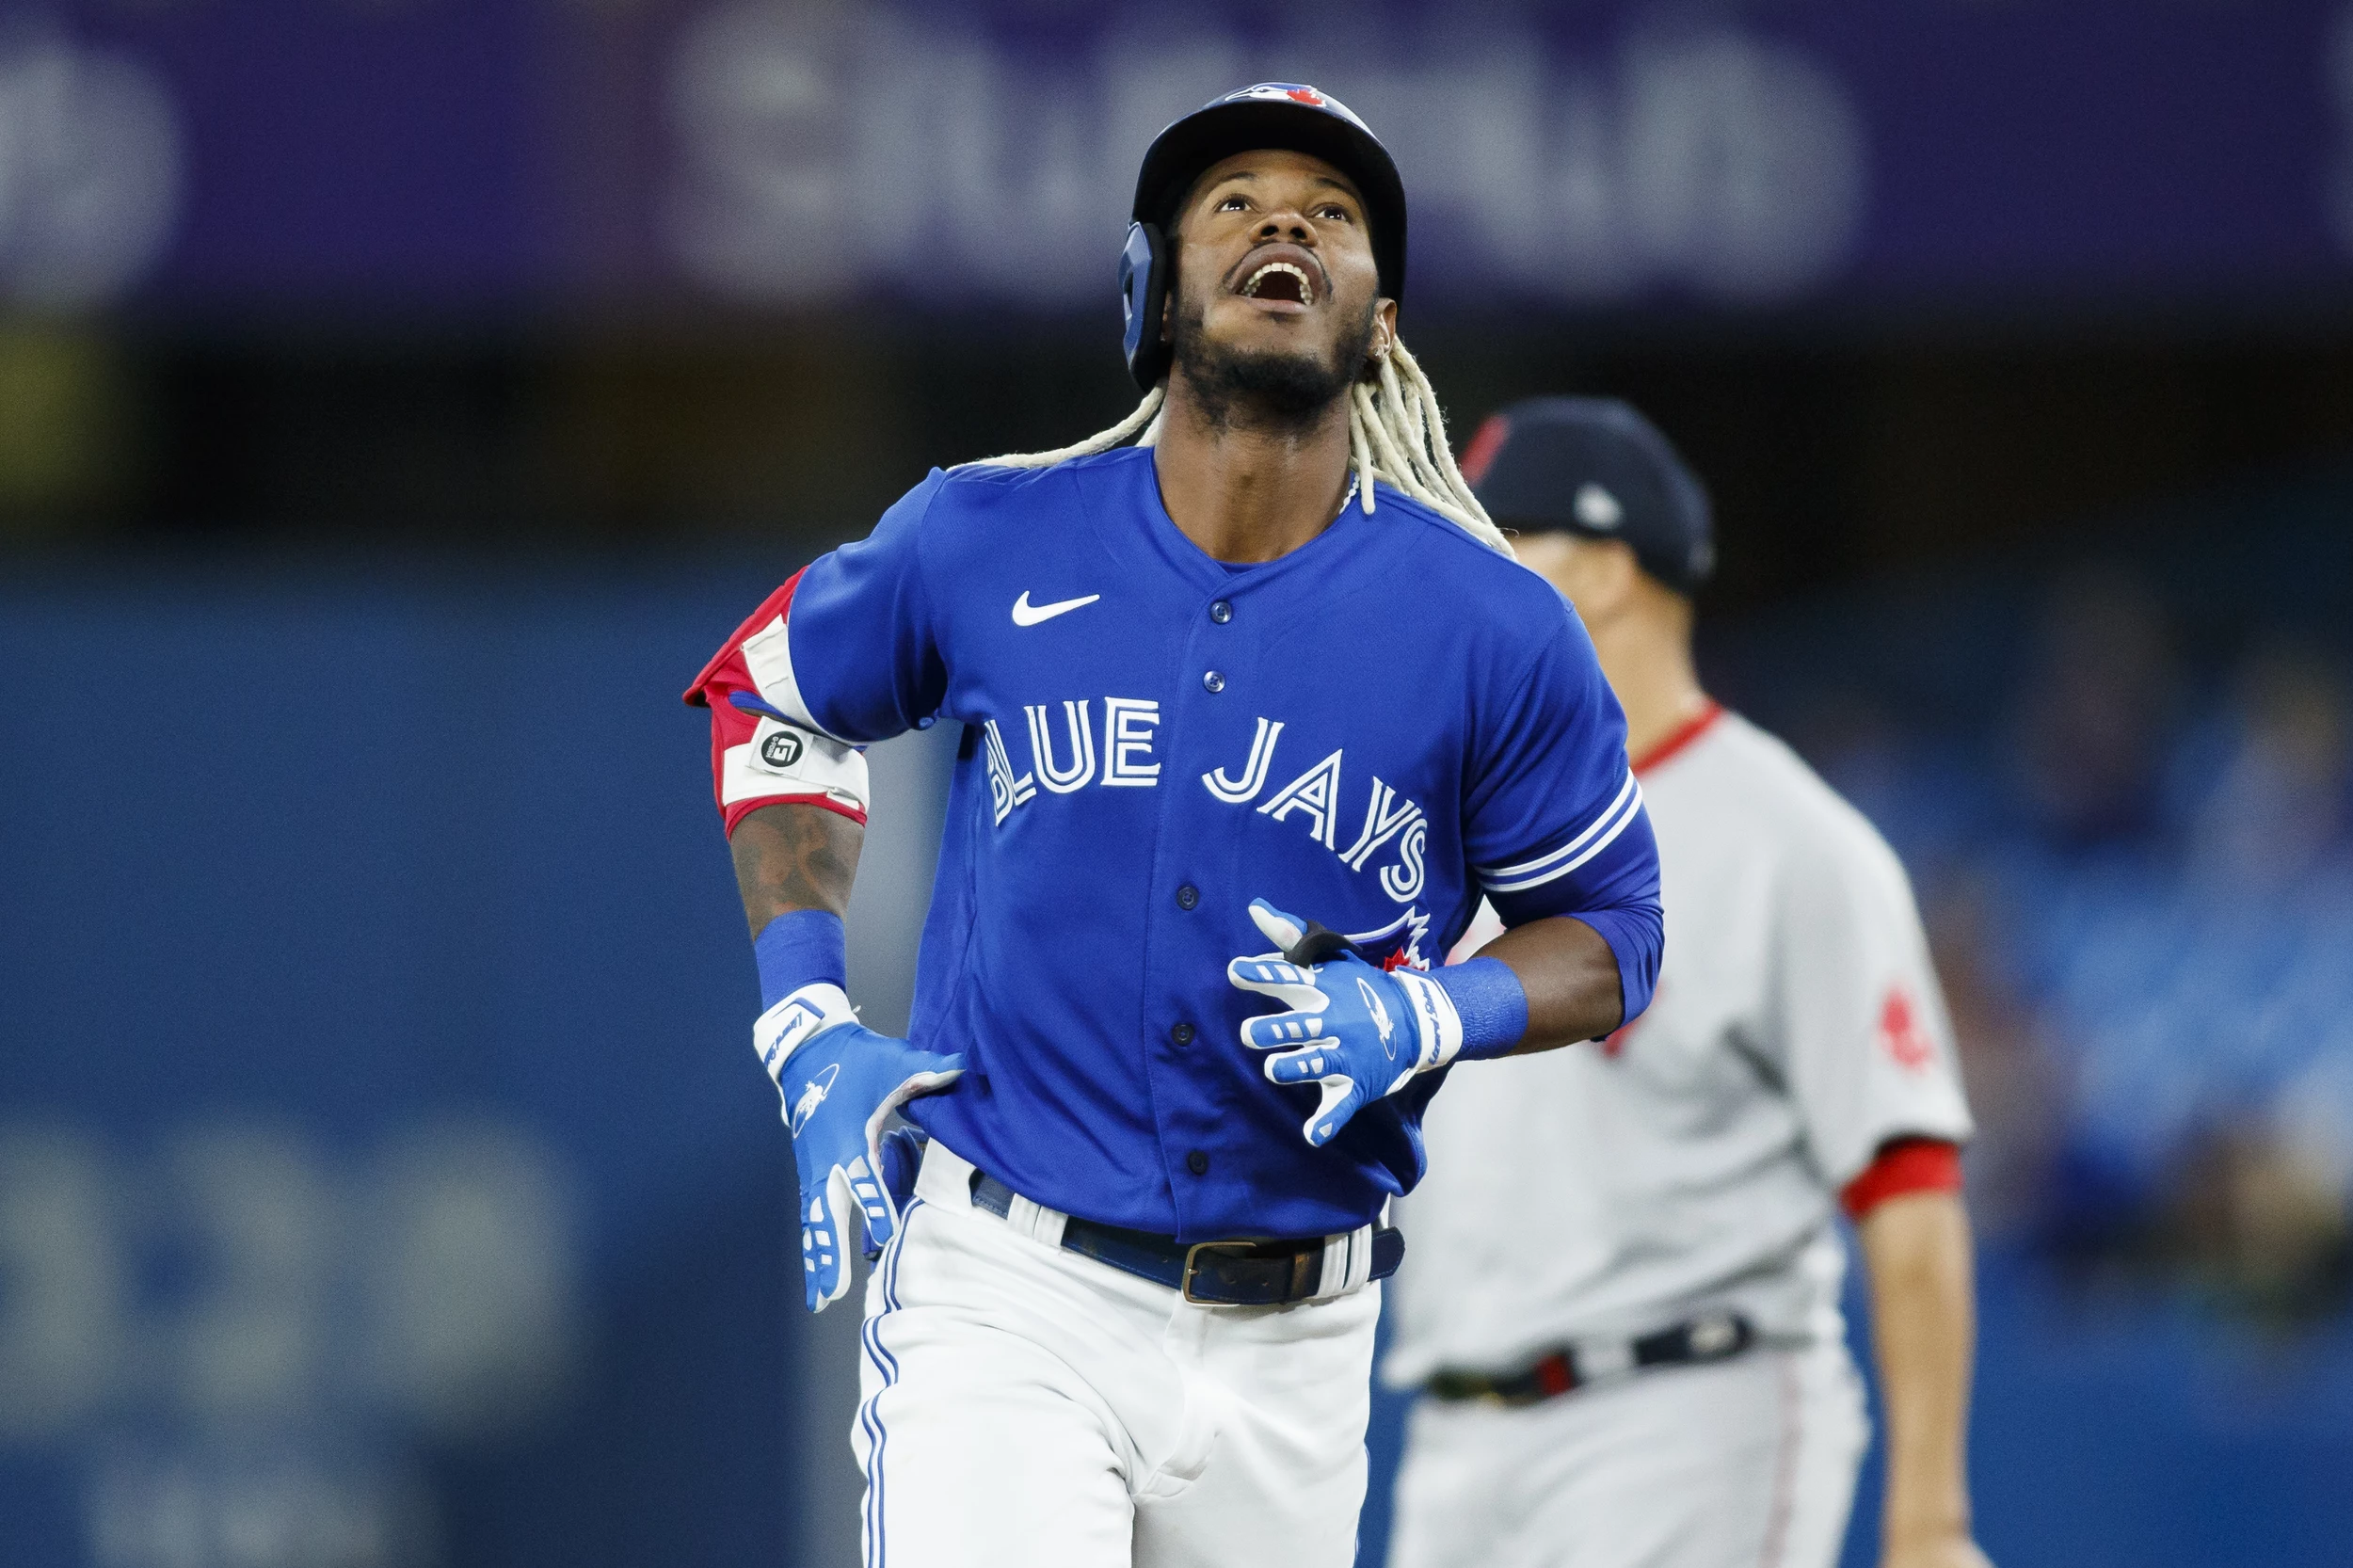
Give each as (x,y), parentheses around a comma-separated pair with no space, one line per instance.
(1903,1165)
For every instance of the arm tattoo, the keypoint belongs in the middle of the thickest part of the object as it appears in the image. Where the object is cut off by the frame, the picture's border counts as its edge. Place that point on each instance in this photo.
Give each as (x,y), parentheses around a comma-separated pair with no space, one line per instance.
(791,857)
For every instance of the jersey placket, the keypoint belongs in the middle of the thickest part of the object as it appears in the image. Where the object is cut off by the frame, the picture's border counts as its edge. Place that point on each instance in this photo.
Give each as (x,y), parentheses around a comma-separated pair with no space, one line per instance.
(1195,893)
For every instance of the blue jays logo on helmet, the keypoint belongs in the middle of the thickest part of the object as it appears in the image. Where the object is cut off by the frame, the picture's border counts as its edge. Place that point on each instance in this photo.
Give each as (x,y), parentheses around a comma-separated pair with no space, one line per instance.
(1298,92)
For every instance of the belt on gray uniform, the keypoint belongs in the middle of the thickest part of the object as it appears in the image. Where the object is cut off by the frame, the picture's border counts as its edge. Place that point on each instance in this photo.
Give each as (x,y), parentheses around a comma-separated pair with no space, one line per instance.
(1213,1273)
(1717,1336)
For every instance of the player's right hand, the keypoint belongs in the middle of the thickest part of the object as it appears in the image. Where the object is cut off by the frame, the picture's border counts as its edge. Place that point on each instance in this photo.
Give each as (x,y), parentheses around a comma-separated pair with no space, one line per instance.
(839,1081)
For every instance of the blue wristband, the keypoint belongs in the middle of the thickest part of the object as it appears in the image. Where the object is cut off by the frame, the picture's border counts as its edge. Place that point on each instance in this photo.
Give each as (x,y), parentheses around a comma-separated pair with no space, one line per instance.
(1493,1004)
(801,949)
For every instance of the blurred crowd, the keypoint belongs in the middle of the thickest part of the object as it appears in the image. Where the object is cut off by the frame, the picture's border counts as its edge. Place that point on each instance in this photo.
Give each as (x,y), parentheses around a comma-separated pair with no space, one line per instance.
(2137,867)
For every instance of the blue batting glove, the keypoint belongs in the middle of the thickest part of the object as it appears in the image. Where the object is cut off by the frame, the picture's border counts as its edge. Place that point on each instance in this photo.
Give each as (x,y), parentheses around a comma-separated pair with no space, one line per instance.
(839,1081)
(1358,1030)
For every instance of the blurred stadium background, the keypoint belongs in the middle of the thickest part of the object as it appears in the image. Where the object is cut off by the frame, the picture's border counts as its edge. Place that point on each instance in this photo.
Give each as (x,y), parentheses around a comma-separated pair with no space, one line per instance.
(398,398)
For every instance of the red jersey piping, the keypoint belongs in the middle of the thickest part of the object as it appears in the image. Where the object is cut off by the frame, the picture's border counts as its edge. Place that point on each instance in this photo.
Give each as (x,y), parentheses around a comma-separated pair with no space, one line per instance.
(1903,1165)
(1685,733)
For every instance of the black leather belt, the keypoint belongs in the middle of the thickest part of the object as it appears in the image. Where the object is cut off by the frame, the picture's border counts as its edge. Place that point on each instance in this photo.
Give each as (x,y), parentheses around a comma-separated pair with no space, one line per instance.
(1717,1336)
(1214,1274)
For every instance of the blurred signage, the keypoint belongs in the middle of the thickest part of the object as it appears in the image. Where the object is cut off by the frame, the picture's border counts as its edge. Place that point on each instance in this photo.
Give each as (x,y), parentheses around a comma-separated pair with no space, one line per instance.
(429,1281)
(817,157)
(244,1330)
(384,1178)
(89,170)
(938,155)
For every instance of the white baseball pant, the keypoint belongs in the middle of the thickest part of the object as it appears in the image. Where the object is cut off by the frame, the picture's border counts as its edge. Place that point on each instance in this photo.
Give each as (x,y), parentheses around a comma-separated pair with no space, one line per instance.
(1023,1405)
(1741,1463)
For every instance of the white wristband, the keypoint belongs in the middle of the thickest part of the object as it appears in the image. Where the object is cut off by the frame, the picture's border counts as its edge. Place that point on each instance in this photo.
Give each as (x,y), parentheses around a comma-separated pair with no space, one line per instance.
(799,1019)
(1440,1025)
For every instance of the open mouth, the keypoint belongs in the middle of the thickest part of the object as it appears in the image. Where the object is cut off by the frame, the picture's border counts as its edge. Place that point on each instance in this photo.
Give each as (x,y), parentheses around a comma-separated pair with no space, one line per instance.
(1282,281)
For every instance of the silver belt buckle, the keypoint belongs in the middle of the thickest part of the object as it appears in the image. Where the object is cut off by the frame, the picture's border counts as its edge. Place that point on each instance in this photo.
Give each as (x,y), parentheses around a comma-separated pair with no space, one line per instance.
(1714,1336)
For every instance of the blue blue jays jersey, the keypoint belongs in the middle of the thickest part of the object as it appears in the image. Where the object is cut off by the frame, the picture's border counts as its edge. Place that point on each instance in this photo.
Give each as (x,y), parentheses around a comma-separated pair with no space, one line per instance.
(1372,731)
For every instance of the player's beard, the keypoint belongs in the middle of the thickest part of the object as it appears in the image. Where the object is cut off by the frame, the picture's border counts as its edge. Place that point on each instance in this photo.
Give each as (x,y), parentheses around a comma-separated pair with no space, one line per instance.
(1236,388)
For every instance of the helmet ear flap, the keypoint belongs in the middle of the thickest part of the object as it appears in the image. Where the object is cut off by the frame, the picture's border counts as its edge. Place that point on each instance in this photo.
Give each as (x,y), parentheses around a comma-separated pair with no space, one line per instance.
(1142,301)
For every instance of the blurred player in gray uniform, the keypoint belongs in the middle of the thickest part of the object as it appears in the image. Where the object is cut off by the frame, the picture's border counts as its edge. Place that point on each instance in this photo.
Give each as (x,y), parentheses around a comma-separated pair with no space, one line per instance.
(1622,1302)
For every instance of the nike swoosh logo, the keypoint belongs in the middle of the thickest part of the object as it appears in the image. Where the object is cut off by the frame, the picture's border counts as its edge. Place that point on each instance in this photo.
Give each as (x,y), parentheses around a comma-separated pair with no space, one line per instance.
(1026,614)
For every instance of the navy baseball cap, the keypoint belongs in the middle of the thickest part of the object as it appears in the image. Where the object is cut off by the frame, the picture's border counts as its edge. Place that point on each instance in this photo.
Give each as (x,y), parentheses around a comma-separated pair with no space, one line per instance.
(1592,466)
(1298,118)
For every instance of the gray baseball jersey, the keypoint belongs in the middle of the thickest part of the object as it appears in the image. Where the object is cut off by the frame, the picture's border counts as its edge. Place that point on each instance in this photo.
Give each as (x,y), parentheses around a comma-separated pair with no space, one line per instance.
(1693,1161)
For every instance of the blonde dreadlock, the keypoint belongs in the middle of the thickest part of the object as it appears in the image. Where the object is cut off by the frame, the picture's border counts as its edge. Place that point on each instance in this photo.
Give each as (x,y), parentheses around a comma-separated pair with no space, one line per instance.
(1395,434)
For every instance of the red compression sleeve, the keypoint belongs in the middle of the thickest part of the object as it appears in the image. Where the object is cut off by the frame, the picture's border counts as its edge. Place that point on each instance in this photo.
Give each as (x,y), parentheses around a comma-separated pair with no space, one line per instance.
(1903,1165)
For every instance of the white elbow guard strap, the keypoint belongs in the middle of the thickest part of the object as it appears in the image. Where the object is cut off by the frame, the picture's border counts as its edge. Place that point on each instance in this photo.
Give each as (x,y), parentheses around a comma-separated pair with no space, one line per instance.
(785,760)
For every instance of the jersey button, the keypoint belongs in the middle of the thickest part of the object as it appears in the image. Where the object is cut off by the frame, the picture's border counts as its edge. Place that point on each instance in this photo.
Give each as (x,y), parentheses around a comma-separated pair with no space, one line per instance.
(1213,681)
(1220,612)
(1187,896)
(1197,1162)
(1182,1034)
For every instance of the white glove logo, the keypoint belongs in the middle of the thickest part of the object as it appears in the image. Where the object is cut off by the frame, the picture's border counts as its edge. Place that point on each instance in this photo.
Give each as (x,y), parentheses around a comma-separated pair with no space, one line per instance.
(1380,1017)
(813,1094)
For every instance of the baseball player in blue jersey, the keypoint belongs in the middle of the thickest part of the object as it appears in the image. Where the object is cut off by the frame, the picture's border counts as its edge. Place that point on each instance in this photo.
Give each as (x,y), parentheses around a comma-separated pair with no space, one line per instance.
(1252,713)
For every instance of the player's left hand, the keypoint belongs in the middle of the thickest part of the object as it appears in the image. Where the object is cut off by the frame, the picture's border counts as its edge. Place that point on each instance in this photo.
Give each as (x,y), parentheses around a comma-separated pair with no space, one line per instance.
(1358,1030)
